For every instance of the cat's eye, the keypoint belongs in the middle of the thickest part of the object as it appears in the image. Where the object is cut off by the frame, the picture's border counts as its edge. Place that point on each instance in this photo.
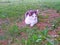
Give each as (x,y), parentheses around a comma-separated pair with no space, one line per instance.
(32,16)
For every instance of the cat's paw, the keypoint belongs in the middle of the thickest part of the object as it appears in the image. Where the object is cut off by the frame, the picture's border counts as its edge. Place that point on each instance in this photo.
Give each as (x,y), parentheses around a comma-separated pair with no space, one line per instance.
(31,25)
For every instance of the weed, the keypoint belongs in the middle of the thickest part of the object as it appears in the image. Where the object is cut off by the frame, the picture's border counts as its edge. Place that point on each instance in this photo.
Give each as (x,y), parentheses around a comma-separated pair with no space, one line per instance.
(14,31)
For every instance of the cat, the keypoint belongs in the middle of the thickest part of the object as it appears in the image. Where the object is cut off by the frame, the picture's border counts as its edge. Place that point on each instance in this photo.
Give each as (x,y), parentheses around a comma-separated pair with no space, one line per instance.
(31,17)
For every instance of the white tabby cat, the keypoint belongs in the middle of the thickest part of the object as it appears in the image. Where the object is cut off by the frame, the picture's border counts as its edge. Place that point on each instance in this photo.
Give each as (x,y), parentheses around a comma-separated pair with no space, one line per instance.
(31,17)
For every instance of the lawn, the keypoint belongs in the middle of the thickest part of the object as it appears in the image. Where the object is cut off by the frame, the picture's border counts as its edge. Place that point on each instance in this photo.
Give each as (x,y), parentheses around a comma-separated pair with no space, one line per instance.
(14,32)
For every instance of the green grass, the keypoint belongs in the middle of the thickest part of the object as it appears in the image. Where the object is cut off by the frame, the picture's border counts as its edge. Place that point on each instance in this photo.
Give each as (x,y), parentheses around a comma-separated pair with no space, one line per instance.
(15,10)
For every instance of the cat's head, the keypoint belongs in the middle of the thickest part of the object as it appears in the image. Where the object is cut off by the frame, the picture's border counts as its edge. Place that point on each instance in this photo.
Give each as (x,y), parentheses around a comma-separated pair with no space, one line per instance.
(32,13)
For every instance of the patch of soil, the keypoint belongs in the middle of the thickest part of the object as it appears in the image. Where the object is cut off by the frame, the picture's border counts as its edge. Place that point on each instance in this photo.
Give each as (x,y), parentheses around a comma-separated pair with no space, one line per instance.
(58,30)
(21,24)
(53,33)
(5,21)
(14,44)
(42,25)
(1,21)
(23,35)
(3,42)
(52,14)
(1,32)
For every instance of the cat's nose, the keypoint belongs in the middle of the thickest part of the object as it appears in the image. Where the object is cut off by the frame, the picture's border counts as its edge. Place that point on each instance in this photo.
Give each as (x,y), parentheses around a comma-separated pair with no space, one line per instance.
(35,19)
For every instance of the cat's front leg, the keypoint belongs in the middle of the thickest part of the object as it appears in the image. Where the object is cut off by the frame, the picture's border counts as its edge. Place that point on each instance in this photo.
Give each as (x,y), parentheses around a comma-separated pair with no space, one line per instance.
(32,24)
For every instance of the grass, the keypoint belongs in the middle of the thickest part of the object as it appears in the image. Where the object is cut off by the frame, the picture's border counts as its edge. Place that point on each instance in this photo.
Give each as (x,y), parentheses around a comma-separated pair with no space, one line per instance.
(11,10)
(15,11)
(55,23)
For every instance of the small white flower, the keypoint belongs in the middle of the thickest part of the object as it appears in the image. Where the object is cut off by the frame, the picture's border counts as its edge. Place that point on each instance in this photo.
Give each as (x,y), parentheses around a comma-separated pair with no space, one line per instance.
(39,36)
(38,40)
(53,25)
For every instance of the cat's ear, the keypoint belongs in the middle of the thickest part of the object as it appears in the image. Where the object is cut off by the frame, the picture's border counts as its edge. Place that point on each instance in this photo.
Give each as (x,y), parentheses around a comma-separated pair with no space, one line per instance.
(37,11)
(27,14)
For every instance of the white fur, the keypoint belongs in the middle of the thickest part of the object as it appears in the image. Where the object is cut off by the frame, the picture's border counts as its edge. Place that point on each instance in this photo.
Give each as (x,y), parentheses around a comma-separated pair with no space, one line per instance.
(32,20)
